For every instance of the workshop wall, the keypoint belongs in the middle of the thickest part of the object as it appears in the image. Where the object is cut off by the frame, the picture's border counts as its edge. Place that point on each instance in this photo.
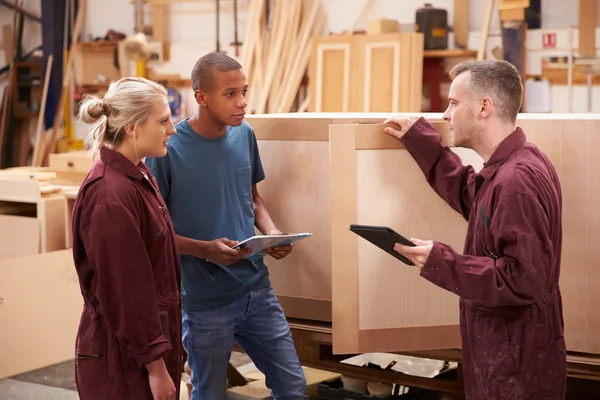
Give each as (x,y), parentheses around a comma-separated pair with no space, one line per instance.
(192,25)
(192,31)
(556,14)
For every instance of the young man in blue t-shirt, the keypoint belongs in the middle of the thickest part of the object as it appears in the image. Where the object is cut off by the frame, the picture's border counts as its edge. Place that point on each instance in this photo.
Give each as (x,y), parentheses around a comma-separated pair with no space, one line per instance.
(208,180)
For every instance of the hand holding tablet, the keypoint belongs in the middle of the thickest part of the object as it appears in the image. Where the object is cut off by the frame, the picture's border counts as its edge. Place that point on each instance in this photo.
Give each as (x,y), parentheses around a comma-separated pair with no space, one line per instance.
(260,245)
(385,238)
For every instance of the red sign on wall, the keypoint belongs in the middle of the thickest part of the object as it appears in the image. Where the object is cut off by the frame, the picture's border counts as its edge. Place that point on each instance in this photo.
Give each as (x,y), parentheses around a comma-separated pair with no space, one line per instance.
(549,40)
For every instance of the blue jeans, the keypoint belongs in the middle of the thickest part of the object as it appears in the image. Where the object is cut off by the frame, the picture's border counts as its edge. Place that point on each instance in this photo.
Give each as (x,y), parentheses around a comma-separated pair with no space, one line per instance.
(257,323)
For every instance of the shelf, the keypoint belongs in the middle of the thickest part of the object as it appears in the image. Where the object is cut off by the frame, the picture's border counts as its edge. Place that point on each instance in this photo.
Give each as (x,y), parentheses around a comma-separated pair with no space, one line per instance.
(455,53)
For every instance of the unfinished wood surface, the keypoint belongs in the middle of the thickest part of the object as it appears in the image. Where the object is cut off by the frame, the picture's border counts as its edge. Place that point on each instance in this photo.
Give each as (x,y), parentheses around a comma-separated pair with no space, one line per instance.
(19,235)
(276,51)
(391,192)
(387,308)
(296,190)
(460,25)
(51,216)
(332,76)
(345,285)
(70,197)
(94,61)
(377,317)
(397,310)
(19,190)
(39,318)
(568,144)
(159,23)
(485,31)
(37,142)
(72,161)
(295,154)
(587,28)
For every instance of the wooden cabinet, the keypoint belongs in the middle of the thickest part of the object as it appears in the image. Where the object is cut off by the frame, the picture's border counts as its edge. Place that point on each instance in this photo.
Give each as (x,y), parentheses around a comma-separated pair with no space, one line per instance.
(32,214)
(325,171)
(366,73)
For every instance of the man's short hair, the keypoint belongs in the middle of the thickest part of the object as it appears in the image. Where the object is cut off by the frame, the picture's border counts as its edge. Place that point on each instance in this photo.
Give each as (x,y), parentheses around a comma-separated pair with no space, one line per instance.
(497,79)
(203,72)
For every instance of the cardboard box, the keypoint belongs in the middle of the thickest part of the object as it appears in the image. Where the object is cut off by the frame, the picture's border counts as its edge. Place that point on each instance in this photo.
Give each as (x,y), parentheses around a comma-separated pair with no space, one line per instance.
(382,25)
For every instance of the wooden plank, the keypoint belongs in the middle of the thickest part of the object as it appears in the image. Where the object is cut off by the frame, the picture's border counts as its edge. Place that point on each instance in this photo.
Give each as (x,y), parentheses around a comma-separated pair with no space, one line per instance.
(460,26)
(587,28)
(37,144)
(454,53)
(19,190)
(559,76)
(159,24)
(8,39)
(51,214)
(344,249)
(485,31)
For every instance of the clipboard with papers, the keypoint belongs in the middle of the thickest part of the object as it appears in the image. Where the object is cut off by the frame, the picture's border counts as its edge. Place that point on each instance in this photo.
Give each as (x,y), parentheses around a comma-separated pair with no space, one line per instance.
(260,243)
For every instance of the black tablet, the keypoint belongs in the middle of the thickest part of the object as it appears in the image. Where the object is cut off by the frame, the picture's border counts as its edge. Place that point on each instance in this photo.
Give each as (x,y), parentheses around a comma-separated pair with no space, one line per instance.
(383,237)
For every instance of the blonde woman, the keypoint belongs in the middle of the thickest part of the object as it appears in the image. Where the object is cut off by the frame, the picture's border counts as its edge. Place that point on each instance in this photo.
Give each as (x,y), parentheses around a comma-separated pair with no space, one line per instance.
(129,338)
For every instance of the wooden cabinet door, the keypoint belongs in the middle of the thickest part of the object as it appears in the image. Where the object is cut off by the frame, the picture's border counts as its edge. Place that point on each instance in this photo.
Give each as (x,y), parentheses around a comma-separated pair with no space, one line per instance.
(380,304)
(390,72)
(333,74)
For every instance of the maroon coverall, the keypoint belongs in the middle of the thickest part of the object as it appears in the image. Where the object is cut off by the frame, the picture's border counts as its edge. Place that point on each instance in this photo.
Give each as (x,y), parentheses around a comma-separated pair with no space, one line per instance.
(507,277)
(129,272)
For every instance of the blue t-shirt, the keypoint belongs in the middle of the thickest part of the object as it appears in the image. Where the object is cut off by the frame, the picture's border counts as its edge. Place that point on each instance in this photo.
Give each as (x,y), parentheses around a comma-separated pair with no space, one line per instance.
(207,185)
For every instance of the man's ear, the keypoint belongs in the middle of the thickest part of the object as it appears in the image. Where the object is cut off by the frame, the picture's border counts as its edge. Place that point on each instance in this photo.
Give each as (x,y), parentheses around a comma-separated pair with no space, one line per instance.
(200,97)
(485,107)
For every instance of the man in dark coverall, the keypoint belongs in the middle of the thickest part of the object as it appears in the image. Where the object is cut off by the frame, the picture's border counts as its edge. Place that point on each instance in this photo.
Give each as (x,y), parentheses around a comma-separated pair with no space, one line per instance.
(507,277)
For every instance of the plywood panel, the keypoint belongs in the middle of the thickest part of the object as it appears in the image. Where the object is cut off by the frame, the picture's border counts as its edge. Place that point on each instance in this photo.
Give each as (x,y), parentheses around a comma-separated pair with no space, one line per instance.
(573,167)
(294,148)
(296,190)
(51,215)
(592,247)
(331,72)
(39,319)
(460,26)
(344,252)
(334,62)
(391,192)
(19,236)
(587,28)
(382,77)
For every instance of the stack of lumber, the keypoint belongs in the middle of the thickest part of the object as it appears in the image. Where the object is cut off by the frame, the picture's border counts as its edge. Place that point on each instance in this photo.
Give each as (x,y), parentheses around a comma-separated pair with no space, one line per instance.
(276,51)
